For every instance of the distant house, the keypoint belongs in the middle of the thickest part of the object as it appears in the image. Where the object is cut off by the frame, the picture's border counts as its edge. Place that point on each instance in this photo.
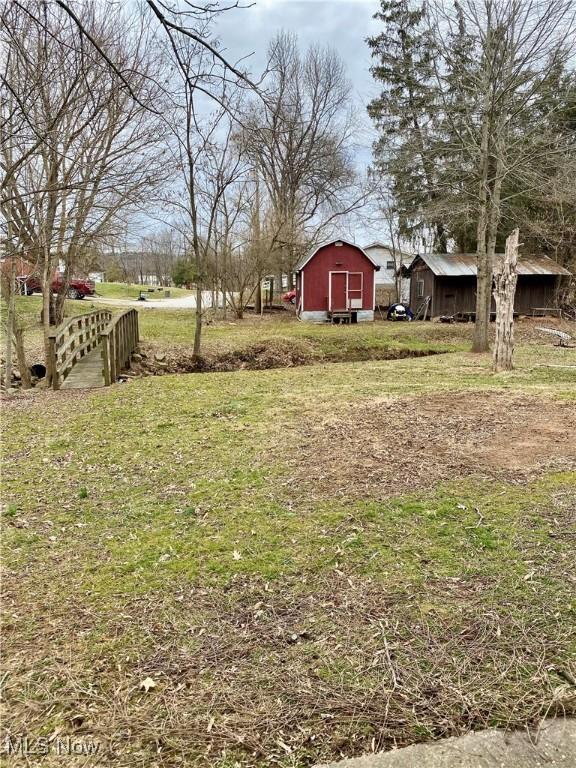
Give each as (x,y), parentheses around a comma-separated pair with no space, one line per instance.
(336,280)
(389,262)
(449,279)
(24,268)
(97,274)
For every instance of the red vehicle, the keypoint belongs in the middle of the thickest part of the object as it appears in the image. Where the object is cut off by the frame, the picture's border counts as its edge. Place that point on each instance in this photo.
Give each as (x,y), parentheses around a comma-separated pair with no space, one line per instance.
(290,297)
(78,288)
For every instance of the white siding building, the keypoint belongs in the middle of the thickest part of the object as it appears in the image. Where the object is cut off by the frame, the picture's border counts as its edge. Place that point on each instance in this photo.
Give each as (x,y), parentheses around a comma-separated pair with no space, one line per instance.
(383,255)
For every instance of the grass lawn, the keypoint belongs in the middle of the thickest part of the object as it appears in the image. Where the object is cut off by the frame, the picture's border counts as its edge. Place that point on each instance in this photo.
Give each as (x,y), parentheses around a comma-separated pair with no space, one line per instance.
(175,328)
(132,291)
(307,563)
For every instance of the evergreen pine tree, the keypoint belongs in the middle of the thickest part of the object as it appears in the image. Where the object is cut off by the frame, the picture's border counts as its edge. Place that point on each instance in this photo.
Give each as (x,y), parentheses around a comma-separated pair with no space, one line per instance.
(405,113)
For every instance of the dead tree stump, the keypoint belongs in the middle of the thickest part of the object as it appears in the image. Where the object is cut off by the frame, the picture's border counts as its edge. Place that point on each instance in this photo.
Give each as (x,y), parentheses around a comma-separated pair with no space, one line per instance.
(505,278)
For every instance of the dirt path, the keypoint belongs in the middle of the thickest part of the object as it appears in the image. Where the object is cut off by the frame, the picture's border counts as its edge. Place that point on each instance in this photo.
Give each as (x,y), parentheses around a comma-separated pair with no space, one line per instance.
(398,445)
(182,302)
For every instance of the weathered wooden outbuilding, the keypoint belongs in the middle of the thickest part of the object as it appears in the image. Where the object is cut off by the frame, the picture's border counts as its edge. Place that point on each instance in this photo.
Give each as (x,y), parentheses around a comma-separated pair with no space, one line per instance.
(335,281)
(449,279)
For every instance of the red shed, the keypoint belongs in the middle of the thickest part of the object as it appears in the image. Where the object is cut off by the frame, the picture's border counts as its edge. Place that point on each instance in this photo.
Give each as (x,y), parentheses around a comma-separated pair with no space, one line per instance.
(336,281)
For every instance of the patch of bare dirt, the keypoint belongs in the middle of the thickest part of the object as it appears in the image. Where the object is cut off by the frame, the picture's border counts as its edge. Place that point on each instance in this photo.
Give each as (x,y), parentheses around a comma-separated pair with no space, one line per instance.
(21,400)
(393,446)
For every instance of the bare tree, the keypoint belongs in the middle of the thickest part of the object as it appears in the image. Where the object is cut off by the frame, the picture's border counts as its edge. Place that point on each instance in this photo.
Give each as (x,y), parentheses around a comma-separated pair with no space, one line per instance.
(211,167)
(299,143)
(246,244)
(9,292)
(389,216)
(86,151)
(13,324)
(207,159)
(188,22)
(83,87)
(519,46)
(160,251)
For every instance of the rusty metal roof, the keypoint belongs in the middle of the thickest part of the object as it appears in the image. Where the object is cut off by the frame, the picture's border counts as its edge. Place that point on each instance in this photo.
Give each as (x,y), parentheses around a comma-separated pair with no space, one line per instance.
(461,264)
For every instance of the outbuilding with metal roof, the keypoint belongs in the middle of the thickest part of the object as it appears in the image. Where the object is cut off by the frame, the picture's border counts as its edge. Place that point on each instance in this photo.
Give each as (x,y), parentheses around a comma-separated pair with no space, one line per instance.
(449,280)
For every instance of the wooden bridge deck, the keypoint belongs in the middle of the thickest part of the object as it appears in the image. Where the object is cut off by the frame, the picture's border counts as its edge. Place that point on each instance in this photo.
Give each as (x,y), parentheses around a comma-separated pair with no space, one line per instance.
(91,350)
(87,372)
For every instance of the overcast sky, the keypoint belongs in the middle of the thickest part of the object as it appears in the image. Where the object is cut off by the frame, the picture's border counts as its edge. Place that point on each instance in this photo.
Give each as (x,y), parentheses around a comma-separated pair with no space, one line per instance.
(342,24)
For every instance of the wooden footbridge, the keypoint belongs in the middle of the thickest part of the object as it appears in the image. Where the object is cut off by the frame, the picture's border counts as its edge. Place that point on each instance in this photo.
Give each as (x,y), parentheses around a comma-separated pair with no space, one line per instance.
(91,350)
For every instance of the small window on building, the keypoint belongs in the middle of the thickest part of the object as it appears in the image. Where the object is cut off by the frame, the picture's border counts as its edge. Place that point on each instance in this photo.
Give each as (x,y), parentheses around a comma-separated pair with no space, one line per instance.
(420,289)
(390,265)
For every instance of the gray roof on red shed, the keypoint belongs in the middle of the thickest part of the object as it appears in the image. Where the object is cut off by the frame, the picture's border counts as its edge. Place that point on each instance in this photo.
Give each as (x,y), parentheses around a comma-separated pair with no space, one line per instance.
(310,255)
(462,264)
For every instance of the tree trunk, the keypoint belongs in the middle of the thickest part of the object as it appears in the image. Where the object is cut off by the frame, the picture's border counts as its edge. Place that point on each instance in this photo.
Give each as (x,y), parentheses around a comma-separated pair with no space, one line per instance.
(59,305)
(258,298)
(47,316)
(398,284)
(494,159)
(10,323)
(224,301)
(25,377)
(505,278)
(440,237)
(198,328)
(481,341)
(483,265)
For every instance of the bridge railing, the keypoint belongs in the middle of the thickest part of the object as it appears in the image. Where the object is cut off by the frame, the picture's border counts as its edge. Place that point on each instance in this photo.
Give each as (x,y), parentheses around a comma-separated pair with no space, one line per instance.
(119,339)
(74,339)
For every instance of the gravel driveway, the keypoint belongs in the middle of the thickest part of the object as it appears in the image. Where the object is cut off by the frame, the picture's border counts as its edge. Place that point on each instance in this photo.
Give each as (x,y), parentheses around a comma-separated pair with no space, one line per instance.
(183,302)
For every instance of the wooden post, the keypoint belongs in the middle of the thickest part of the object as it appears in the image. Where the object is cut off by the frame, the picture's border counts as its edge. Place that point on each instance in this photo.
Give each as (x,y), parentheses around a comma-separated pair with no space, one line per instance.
(104,340)
(113,355)
(118,346)
(505,278)
(122,329)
